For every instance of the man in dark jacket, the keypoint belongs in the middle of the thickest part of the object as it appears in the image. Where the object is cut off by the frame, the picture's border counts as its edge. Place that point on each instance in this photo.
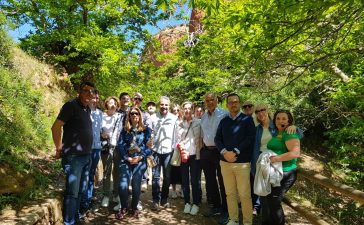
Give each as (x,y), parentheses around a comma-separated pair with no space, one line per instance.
(235,140)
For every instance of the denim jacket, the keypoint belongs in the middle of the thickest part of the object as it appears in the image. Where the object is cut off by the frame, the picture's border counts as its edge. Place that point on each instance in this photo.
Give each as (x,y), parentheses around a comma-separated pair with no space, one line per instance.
(141,139)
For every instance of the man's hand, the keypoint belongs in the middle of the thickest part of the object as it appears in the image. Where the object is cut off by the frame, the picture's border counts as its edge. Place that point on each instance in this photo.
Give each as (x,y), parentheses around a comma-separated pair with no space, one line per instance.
(230,156)
(58,154)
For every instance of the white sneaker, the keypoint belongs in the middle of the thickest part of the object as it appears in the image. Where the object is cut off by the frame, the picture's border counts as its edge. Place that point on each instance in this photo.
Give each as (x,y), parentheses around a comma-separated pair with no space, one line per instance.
(139,206)
(187,208)
(105,201)
(194,210)
(232,222)
(174,195)
(117,207)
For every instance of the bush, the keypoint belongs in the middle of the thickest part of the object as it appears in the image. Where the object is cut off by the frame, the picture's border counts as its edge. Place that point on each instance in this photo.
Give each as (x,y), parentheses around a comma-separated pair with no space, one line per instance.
(5,42)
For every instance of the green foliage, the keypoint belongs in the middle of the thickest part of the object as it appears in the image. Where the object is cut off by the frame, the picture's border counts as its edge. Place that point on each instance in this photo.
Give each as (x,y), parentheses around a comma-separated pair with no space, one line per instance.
(285,54)
(4,42)
(23,125)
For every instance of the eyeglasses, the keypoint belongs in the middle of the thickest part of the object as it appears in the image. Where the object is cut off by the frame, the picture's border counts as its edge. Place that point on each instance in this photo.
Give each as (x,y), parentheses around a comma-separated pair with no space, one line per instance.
(138,99)
(134,114)
(247,106)
(258,111)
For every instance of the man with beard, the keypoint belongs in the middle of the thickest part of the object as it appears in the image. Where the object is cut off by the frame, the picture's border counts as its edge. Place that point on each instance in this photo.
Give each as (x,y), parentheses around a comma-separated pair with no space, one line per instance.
(164,126)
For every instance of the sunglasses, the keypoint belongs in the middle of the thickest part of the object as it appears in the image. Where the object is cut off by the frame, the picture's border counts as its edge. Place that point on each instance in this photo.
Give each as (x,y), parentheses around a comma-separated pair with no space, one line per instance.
(134,113)
(138,99)
(258,111)
(247,106)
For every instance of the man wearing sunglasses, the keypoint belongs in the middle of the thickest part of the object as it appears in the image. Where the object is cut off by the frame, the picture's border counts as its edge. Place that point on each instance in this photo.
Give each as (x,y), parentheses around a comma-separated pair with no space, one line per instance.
(248,108)
(74,146)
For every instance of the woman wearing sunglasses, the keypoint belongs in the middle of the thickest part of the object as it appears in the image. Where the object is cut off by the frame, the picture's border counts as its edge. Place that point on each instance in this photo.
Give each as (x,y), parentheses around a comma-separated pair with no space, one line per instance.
(133,153)
(265,130)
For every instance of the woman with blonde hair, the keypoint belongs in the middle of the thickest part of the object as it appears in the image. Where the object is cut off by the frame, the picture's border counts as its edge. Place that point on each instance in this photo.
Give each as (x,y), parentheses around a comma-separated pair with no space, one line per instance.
(265,131)
(133,151)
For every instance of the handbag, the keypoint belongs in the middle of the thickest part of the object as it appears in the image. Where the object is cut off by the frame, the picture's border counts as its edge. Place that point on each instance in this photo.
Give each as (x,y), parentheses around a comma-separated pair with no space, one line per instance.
(176,158)
(151,162)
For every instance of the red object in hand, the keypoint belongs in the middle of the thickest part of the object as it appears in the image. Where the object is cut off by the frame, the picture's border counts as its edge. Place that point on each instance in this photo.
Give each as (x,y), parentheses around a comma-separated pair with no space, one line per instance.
(184,154)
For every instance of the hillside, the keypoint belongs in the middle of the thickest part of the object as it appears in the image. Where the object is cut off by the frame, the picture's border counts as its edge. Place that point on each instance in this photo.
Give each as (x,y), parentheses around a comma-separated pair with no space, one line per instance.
(31,95)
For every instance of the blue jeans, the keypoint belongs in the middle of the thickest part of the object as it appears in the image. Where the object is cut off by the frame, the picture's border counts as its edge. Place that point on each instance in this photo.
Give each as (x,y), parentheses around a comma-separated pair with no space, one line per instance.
(190,170)
(163,162)
(87,197)
(76,169)
(272,211)
(135,173)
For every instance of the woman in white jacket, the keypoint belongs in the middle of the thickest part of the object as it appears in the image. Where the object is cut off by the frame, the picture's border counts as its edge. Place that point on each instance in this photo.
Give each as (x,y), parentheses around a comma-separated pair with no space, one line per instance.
(189,143)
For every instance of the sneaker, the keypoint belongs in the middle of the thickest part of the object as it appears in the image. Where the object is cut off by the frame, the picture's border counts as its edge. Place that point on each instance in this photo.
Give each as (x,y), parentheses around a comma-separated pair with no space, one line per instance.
(105,201)
(212,212)
(174,195)
(187,208)
(233,222)
(155,206)
(117,207)
(165,205)
(139,206)
(224,218)
(194,210)
(255,212)
(121,214)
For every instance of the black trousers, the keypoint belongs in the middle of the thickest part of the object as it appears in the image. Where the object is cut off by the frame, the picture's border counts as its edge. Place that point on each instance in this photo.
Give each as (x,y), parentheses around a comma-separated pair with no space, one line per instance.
(272,211)
(215,190)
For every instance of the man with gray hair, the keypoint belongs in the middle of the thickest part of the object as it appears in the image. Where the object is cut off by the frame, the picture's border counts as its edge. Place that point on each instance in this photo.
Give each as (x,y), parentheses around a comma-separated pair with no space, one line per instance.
(164,125)
(210,159)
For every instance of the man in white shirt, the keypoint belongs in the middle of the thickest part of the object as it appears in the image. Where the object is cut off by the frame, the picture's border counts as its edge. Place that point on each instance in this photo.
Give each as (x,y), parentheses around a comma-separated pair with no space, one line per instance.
(210,159)
(164,126)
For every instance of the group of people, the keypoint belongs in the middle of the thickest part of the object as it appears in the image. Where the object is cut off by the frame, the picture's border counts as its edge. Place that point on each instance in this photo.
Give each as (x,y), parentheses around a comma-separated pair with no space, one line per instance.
(172,142)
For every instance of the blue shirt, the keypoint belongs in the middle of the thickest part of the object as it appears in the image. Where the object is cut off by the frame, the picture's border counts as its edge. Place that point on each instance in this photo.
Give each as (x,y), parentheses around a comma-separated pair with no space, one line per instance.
(96,118)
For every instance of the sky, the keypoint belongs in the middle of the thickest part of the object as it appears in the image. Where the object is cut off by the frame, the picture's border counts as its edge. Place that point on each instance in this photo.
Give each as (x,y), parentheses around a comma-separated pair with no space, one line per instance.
(22,31)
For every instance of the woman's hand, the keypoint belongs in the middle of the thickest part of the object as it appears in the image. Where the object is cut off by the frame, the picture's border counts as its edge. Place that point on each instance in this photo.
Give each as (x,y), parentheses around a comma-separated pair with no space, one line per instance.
(135,160)
(291,129)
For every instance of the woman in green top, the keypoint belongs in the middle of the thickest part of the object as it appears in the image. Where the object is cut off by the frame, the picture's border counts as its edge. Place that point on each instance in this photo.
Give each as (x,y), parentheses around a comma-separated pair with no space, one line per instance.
(287,148)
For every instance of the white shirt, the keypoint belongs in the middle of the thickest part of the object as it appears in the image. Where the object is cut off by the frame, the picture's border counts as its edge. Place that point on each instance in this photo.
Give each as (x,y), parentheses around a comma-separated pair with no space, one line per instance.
(108,123)
(164,133)
(209,124)
(189,135)
(266,136)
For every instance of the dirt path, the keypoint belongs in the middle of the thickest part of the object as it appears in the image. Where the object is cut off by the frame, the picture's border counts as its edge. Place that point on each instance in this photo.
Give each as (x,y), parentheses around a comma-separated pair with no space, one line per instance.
(172,215)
